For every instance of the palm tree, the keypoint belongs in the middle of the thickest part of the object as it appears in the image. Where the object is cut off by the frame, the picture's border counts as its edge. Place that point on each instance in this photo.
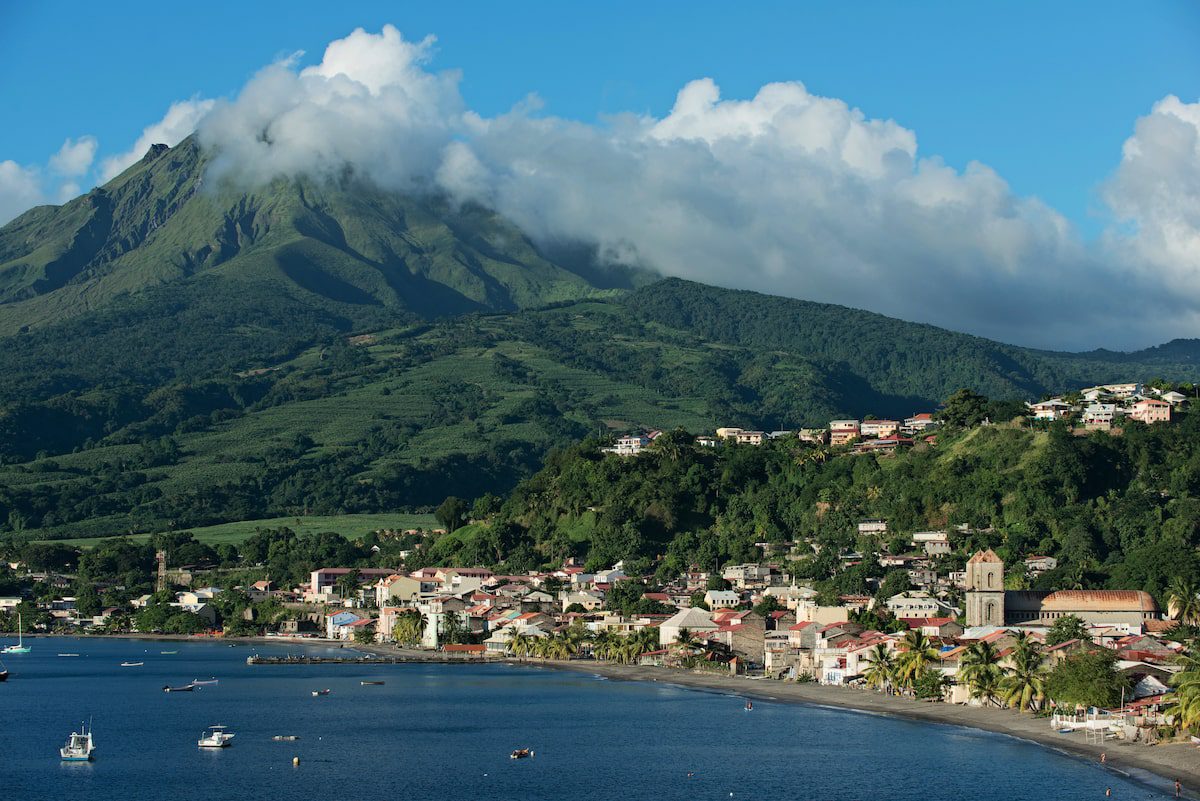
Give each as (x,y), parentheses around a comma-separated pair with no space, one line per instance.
(980,671)
(1184,595)
(522,645)
(1024,686)
(410,625)
(604,645)
(919,653)
(1184,703)
(882,671)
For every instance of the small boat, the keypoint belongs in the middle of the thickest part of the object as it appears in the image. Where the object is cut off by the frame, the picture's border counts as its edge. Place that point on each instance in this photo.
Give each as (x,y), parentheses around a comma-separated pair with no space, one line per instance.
(79,746)
(521,753)
(168,653)
(321,692)
(132,664)
(281,738)
(749,705)
(215,737)
(68,654)
(366,683)
(199,683)
(20,647)
(187,688)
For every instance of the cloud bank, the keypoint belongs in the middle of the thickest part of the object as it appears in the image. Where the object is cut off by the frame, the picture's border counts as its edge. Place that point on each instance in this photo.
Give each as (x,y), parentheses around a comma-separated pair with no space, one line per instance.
(785,192)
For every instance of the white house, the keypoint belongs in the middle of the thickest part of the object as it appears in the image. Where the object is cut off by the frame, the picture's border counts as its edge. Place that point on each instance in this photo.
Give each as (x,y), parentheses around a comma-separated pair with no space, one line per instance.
(694,619)
(722,599)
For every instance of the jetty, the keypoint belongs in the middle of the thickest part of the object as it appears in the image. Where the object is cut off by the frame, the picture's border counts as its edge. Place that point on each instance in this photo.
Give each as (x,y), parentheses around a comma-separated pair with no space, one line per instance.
(399,659)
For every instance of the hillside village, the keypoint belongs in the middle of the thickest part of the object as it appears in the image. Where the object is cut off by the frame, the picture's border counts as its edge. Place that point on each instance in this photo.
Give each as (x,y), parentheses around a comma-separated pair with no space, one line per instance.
(1098,408)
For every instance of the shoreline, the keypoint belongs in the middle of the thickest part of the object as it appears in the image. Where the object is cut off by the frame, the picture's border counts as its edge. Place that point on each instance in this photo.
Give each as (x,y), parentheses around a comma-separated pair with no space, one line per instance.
(1157,766)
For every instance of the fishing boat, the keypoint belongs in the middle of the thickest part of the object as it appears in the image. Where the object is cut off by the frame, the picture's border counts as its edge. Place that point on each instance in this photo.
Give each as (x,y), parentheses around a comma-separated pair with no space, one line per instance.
(132,664)
(20,647)
(370,683)
(321,692)
(79,746)
(201,683)
(280,738)
(187,688)
(68,654)
(521,753)
(215,737)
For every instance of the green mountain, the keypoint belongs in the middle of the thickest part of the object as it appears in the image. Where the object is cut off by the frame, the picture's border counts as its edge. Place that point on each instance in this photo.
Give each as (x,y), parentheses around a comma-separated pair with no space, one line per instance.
(177,353)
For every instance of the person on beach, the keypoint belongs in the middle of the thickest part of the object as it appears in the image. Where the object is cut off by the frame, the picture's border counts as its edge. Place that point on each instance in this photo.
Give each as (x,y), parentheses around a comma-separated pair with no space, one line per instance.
(1103,757)
(1178,788)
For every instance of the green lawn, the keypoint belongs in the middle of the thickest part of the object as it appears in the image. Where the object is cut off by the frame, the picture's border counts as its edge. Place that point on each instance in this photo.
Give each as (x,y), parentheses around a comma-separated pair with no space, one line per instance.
(351,526)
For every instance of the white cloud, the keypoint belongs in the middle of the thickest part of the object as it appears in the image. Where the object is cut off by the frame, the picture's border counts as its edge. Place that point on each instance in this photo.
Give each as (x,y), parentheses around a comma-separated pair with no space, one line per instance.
(74,158)
(176,125)
(370,104)
(20,189)
(785,192)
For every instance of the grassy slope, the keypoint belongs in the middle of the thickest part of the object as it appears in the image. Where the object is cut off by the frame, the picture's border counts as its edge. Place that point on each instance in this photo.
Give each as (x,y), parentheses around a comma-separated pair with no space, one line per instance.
(350,526)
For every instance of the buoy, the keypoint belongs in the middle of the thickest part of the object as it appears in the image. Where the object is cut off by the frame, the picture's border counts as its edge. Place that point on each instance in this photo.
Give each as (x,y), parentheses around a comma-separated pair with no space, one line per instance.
(295,761)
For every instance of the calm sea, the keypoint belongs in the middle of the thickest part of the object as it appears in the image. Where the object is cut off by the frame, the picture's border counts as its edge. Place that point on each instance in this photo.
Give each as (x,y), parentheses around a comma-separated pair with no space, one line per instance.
(444,732)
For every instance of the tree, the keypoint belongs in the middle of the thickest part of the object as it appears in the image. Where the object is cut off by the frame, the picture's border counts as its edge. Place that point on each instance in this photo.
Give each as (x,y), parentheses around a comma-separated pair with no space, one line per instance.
(931,683)
(697,600)
(881,673)
(964,408)
(1184,702)
(1184,596)
(1066,628)
(452,512)
(410,625)
(715,582)
(1023,687)
(1087,678)
(919,653)
(767,605)
(455,629)
(980,670)
(364,635)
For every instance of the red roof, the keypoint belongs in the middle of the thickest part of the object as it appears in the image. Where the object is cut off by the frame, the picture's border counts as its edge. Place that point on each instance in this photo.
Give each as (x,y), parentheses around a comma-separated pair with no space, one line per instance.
(464,649)
(801,626)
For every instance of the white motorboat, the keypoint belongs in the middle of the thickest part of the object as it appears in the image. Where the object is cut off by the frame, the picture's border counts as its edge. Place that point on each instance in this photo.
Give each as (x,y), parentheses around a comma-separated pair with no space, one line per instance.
(132,664)
(215,737)
(79,746)
(20,647)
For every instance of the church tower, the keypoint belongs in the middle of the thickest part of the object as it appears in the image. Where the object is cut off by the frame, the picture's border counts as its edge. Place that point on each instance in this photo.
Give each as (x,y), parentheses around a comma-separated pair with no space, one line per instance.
(985,589)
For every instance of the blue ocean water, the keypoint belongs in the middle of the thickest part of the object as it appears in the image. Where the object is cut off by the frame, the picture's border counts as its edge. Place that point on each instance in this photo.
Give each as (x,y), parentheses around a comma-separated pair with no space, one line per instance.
(444,733)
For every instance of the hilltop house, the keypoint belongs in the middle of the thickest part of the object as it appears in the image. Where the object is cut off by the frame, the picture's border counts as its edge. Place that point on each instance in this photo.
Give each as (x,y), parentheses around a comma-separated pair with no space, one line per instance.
(842,432)
(878,429)
(1150,411)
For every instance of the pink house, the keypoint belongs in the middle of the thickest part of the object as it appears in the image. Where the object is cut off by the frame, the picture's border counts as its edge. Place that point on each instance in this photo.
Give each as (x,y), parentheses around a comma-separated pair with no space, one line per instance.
(1150,411)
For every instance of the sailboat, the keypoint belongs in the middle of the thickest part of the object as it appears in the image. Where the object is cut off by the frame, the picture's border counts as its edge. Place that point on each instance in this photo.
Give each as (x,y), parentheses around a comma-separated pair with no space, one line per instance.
(20,647)
(79,746)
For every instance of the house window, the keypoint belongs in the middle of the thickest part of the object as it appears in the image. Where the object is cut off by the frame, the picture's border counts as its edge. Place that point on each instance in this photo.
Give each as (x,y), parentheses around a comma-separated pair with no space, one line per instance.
(990,579)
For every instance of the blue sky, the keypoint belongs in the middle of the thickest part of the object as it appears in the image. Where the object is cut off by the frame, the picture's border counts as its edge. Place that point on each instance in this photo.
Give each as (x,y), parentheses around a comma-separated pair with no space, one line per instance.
(1045,93)
(855,180)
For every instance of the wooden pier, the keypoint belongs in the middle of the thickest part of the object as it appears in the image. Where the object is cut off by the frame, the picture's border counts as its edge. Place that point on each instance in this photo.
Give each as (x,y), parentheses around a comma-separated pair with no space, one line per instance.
(431,659)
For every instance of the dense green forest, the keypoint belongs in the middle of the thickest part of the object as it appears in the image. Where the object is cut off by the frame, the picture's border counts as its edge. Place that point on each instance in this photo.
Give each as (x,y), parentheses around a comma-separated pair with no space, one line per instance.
(1118,511)
(177,354)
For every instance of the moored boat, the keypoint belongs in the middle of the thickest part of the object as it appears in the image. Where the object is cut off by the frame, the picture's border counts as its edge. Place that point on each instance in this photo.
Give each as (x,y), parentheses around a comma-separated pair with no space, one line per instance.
(521,753)
(132,664)
(79,746)
(321,692)
(187,688)
(279,738)
(369,683)
(20,647)
(215,737)
(201,683)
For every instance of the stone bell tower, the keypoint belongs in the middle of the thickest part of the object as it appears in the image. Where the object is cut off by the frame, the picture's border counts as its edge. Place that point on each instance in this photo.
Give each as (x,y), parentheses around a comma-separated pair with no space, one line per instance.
(985,589)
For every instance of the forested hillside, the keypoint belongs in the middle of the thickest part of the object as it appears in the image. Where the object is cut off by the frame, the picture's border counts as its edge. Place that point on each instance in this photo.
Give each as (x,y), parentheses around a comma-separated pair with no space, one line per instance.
(1117,511)
(178,353)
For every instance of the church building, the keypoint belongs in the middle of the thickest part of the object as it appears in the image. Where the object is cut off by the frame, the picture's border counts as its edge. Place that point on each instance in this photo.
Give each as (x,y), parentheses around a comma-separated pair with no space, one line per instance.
(989,604)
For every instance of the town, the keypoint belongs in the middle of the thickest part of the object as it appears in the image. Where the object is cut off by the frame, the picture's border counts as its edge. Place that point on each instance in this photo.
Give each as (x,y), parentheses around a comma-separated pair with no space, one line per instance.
(936,616)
